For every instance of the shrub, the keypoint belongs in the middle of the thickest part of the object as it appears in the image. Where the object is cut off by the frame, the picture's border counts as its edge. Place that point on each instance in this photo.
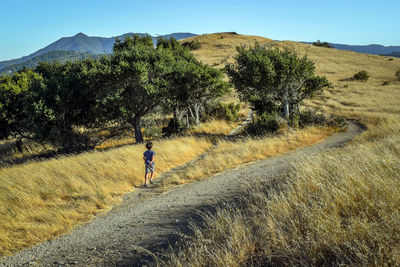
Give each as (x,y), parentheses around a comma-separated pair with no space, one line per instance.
(398,74)
(309,117)
(322,44)
(192,45)
(385,83)
(362,76)
(266,123)
(338,121)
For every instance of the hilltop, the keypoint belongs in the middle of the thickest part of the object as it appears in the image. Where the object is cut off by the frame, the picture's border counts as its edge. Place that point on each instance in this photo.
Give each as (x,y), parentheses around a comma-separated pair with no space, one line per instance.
(218,49)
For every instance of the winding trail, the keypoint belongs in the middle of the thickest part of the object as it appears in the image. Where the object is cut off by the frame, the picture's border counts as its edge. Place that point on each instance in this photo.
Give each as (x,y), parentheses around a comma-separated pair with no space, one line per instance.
(149,220)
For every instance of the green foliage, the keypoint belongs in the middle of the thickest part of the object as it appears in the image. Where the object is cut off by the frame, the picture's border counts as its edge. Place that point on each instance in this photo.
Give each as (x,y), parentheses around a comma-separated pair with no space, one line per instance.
(192,84)
(267,123)
(274,81)
(222,111)
(322,44)
(309,117)
(13,90)
(192,45)
(362,76)
(64,101)
(132,41)
(398,74)
(136,81)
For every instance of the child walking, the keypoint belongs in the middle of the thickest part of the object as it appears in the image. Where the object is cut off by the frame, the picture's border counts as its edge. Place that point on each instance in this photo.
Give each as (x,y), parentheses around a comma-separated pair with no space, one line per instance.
(148,157)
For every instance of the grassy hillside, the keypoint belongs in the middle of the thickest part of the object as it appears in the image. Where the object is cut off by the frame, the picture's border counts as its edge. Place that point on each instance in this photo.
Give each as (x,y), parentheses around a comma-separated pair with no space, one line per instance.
(340,207)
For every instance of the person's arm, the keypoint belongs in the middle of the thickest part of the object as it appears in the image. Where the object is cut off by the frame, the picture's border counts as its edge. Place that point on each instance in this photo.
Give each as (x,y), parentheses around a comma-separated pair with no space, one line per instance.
(152,159)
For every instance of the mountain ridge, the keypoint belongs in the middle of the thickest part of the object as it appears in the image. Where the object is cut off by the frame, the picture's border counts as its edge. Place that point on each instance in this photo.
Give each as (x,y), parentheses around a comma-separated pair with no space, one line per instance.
(83,43)
(374,49)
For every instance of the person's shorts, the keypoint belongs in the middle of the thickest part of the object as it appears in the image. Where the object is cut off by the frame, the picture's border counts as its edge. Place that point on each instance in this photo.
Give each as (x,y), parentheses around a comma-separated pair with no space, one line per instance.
(150,167)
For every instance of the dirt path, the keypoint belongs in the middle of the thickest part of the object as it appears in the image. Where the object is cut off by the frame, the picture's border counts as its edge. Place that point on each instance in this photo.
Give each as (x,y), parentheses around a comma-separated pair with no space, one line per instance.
(121,236)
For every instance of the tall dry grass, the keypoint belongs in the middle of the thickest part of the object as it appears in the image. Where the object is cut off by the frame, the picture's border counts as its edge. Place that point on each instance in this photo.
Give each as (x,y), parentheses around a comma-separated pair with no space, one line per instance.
(44,199)
(338,208)
(227,154)
(215,127)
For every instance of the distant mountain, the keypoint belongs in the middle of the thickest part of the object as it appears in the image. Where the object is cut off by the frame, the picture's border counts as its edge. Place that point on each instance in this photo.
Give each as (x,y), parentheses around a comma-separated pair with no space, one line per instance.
(393,54)
(368,49)
(84,44)
(59,55)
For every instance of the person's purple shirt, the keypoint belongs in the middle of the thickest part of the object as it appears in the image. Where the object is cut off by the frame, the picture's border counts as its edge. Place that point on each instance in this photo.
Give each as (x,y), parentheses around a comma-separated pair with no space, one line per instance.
(148,154)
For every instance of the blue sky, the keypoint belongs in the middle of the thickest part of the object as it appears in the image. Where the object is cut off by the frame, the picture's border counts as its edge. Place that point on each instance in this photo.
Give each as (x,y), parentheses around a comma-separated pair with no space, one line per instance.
(27,25)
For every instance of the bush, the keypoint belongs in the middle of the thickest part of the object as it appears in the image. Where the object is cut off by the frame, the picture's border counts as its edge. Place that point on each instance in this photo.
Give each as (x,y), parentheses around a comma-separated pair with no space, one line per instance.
(309,117)
(362,76)
(398,74)
(338,121)
(385,83)
(266,123)
(322,44)
(222,111)
(192,45)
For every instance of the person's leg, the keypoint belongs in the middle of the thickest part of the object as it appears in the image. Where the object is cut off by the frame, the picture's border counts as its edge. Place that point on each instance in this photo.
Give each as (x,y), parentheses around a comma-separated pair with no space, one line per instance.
(146,175)
(152,176)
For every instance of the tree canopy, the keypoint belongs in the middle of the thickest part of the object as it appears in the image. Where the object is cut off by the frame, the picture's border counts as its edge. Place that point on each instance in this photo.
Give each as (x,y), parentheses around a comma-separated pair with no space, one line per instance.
(272,80)
(65,103)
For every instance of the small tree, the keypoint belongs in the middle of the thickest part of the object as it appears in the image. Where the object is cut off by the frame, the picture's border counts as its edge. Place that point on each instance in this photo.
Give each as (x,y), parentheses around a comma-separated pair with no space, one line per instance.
(274,81)
(322,44)
(61,103)
(136,80)
(398,74)
(191,83)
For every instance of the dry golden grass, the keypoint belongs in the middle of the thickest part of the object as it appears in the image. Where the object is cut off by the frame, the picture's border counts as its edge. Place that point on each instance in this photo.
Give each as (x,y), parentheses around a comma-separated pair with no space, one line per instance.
(111,143)
(340,207)
(44,199)
(215,127)
(227,155)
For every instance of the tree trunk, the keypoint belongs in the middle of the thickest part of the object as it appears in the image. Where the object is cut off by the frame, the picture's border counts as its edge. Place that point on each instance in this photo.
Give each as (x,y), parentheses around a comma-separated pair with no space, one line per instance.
(197,113)
(138,129)
(187,120)
(286,106)
(298,108)
(175,118)
(191,112)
